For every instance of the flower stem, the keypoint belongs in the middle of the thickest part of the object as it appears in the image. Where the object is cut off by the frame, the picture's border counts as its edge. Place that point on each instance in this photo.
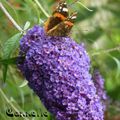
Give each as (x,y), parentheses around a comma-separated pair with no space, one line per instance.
(107,51)
(42,9)
(10,18)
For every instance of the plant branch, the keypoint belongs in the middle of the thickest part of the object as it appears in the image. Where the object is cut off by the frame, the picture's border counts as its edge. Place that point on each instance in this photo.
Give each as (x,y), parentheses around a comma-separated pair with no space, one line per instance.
(10,18)
(9,102)
(106,51)
(84,6)
(42,9)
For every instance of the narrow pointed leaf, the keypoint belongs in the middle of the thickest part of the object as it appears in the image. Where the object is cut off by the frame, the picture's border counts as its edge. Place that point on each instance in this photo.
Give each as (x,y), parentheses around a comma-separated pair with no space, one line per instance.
(8,61)
(11,45)
(118,66)
(24,83)
(27,25)
(5,68)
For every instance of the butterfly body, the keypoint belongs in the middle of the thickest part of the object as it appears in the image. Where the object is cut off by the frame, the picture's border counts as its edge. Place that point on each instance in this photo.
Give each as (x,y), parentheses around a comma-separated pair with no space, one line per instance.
(60,23)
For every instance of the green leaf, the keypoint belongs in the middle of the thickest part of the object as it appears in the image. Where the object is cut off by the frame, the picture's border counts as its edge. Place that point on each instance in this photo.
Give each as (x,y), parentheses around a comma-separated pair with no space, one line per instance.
(41,22)
(24,83)
(118,66)
(8,61)
(11,45)
(27,25)
(5,68)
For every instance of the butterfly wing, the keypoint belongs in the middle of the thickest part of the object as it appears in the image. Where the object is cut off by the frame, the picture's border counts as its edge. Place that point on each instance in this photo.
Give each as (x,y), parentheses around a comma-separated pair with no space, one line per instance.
(60,14)
(63,29)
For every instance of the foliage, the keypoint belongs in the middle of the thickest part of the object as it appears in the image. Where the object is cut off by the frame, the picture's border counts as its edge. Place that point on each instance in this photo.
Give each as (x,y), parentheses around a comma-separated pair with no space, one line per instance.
(98,29)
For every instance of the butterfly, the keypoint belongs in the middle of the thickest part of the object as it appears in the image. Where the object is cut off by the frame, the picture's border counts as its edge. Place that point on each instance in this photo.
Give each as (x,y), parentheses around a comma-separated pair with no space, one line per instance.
(60,23)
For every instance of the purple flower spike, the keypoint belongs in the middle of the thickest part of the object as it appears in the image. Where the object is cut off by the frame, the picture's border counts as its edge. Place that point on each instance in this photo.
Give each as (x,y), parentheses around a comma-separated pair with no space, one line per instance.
(57,69)
(99,84)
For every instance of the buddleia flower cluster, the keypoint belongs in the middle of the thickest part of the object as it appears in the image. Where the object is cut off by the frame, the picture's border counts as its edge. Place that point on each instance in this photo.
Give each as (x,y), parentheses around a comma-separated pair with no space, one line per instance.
(57,69)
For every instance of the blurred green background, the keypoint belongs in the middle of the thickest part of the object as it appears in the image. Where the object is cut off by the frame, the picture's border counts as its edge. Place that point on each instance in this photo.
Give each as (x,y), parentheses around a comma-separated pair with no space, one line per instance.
(99,29)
